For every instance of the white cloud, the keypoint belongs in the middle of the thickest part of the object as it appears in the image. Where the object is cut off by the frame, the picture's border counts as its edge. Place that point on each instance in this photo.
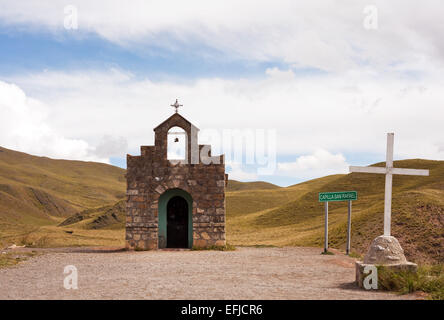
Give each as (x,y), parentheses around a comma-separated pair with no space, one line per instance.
(348,114)
(384,80)
(236,172)
(24,126)
(325,34)
(111,146)
(318,164)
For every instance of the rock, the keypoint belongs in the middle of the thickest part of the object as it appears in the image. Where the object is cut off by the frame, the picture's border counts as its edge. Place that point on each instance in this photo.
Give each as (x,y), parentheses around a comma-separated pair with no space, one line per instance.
(205,236)
(15,246)
(160,189)
(385,250)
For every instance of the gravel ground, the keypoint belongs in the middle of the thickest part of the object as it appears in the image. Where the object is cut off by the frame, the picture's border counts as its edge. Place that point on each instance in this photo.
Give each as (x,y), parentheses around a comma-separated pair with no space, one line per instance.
(247,273)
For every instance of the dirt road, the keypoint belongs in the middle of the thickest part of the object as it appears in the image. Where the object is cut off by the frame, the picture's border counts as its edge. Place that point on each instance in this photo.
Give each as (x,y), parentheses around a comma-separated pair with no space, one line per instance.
(247,273)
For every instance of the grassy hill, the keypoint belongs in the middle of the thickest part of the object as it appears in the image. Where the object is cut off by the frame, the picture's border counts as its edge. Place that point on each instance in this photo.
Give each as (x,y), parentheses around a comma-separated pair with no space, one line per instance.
(38,191)
(45,202)
(234,185)
(106,217)
(417,218)
(81,184)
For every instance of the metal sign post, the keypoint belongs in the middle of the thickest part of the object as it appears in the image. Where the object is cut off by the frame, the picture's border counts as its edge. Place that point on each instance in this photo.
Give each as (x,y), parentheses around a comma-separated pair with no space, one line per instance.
(326,228)
(338,196)
(347,250)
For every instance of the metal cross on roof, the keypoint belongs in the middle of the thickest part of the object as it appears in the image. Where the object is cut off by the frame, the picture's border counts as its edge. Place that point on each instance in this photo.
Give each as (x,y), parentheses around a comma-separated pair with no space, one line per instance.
(177,105)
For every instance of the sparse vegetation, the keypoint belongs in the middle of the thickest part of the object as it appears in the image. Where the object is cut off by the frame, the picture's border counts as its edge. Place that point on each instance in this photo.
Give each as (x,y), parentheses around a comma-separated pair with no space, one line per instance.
(355,255)
(227,247)
(35,190)
(234,185)
(428,279)
(106,217)
(53,236)
(293,216)
(8,259)
(263,246)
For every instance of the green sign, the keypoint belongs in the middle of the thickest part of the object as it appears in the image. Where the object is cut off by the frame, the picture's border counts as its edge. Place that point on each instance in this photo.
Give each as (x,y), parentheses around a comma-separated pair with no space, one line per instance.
(338,196)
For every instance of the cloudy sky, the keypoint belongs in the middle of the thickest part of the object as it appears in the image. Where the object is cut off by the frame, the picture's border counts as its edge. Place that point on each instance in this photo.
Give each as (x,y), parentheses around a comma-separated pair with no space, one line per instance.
(329,78)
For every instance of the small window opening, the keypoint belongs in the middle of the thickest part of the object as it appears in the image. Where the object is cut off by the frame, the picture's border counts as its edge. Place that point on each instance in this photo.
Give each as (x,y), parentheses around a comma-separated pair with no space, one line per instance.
(176,149)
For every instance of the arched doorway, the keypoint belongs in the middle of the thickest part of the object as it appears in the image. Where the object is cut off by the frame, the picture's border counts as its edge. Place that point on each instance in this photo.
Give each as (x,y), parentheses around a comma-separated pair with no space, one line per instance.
(177,223)
(175,219)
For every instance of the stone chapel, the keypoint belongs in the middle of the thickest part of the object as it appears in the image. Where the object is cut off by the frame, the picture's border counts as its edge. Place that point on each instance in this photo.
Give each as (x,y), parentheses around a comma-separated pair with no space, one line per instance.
(175,201)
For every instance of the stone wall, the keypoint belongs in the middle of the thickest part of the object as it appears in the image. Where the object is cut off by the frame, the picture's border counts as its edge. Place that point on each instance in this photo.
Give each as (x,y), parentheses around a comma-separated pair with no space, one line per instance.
(151,174)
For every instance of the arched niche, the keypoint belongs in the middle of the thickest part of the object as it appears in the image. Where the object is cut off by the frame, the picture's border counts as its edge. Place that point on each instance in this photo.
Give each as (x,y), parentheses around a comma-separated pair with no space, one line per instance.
(177,142)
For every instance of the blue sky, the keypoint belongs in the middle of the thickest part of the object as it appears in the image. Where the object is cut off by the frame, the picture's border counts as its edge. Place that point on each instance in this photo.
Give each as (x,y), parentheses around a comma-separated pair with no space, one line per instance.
(33,52)
(326,84)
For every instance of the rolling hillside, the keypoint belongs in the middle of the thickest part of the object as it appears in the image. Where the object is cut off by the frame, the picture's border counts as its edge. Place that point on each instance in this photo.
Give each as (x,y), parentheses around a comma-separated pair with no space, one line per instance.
(81,184)
(417,218)
(106,217)
(38,191)
(45,202)
(234,185)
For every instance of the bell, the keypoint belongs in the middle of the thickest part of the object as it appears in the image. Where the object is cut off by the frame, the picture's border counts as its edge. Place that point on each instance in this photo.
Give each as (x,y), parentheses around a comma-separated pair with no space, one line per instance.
(176,140)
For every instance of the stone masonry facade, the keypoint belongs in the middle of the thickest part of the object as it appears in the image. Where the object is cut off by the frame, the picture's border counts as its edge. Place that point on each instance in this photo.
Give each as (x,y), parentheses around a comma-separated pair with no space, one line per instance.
(151,174)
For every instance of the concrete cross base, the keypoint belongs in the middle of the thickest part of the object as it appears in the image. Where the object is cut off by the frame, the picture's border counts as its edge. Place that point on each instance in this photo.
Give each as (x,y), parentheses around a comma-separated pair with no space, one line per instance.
(404,267)
(385,250)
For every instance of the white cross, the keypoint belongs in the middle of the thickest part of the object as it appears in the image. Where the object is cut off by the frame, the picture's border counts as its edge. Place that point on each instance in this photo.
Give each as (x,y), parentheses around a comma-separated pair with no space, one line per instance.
(389,171)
